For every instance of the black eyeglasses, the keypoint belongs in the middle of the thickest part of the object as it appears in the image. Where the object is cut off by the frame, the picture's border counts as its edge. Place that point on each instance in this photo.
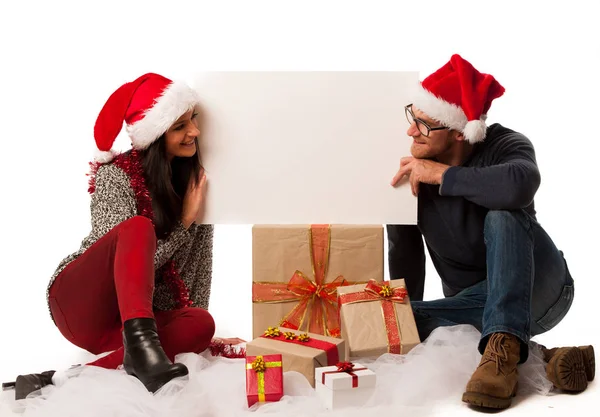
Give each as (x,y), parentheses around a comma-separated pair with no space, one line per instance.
(422,125)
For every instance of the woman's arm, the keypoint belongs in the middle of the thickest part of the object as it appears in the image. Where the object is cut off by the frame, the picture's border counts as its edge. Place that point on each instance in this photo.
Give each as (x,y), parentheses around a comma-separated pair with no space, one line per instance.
(113,200)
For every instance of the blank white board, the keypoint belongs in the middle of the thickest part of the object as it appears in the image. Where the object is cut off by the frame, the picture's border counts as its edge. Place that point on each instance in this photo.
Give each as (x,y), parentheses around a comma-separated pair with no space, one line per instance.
(305,147)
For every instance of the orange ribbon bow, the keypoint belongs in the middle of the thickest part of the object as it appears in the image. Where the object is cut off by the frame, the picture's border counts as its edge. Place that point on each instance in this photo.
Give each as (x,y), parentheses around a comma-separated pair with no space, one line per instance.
(388,296)
(316,299)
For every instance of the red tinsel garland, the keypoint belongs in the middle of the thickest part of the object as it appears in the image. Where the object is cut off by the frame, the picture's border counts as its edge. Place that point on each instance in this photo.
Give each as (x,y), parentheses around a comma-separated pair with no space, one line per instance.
(130,164)
(227,351)
(178,288)
(92,174)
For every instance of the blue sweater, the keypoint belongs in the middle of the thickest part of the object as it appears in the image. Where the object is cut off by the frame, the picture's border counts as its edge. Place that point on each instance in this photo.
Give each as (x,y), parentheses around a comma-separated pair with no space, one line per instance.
(501,174)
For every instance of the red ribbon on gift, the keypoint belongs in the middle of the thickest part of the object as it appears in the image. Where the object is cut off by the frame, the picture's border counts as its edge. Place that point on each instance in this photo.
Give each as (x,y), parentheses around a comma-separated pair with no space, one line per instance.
(331,350)
(388,296)
(316,299)
(347,367)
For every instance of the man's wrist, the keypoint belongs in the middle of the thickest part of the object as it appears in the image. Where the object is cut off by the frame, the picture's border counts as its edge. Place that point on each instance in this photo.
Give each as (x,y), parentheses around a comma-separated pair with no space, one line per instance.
(441,173)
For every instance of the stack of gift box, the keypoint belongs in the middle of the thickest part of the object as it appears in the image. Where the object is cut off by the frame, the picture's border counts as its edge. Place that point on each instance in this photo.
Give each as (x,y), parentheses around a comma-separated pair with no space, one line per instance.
(319,299)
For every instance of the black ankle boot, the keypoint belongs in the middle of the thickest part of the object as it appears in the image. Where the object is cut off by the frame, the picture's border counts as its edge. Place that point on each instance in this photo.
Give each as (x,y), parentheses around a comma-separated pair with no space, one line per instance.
(144,357)
(26,384)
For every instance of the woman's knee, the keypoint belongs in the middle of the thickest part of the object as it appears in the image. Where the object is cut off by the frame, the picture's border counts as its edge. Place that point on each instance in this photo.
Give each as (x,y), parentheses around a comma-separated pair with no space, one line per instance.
(200,325)
(188,329)
(137,223)
(206,322)
(138,228)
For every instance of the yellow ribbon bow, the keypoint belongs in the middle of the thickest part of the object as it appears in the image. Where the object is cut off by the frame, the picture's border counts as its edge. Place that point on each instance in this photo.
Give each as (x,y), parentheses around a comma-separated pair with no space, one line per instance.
(303,337)
(259,364)
(272,332)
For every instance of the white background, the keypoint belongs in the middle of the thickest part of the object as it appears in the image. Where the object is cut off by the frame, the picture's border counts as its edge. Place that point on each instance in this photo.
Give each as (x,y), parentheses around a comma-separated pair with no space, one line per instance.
(59,60)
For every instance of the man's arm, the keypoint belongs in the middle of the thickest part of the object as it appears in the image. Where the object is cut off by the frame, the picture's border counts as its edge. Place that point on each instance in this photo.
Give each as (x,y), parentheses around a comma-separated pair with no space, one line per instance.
(406,258)
(510,183)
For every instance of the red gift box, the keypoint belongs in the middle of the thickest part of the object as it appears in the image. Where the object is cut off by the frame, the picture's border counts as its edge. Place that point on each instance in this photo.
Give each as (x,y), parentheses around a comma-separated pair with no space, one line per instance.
(264,379)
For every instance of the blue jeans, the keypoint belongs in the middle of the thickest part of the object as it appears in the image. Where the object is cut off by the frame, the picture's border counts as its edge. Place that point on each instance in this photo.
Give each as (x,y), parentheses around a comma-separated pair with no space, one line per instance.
(528,289)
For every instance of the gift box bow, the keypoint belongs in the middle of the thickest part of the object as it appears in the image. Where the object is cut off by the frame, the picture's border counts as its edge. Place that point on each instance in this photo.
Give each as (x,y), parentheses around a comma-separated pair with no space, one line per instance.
(316,299)
(375,291)
(303,339)
(388,296)
(345,367)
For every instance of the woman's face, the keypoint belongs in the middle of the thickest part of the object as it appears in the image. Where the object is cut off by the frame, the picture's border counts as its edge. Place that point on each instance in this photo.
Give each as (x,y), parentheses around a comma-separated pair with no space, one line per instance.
(181,138)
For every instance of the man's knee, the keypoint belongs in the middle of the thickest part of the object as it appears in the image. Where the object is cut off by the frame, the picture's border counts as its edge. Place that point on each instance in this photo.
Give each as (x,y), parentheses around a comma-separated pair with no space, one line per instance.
(499,220)
(495,218)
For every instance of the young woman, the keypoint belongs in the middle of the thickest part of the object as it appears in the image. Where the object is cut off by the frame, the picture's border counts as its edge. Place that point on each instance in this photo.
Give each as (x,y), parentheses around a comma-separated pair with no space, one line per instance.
(140,283)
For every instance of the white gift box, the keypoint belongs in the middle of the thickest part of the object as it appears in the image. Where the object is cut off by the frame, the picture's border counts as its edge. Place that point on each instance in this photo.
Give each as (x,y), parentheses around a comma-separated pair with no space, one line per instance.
(338,389)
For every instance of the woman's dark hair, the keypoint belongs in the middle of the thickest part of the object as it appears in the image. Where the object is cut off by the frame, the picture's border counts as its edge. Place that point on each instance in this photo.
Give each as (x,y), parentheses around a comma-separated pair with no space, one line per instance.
(167,183)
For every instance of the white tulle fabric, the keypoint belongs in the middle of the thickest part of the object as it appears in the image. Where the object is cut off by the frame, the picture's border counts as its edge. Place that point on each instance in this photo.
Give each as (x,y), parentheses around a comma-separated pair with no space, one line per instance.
(431,375)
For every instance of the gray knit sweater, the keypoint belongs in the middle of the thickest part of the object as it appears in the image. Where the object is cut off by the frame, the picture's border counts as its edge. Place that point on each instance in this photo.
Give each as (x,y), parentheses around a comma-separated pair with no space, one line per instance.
(112,202)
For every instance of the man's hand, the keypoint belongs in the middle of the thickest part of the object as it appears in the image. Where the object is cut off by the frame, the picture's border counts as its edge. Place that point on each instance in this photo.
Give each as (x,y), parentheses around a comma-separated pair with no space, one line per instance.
(418,171)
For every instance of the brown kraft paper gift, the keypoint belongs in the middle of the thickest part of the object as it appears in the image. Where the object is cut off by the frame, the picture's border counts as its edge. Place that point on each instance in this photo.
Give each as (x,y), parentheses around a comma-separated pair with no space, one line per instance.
(286,290)
(377,320)
(303,357)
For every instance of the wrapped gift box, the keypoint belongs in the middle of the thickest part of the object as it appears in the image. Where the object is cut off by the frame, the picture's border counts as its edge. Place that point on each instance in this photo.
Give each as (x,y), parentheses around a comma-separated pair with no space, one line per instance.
(296,270)
(344,385)
(377,318)
(264,378)
(301,352)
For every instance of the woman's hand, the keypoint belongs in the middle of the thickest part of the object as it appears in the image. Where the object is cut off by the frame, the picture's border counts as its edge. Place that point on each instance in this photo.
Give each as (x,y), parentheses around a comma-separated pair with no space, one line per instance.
(193,201)
(228,341)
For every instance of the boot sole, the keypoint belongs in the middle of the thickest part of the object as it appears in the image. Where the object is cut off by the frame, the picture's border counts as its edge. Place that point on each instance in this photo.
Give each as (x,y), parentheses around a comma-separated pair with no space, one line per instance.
(155,385)
(486,401)
(568,371)
(589,361)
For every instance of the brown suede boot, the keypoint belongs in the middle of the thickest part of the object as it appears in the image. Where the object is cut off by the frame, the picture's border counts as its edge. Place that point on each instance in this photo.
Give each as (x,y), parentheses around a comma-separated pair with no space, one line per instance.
(494,382)
(570,368)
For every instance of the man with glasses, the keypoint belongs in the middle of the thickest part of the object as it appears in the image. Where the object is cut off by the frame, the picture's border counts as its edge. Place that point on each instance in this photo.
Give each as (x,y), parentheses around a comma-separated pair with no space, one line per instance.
(500,271)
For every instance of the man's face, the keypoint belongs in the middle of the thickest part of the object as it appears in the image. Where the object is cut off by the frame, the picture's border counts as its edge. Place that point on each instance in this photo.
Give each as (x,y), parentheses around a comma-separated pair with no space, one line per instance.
(430,139)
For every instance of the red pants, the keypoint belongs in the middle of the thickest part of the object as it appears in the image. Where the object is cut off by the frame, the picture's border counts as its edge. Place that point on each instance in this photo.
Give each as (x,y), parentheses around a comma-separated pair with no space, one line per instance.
(113,281)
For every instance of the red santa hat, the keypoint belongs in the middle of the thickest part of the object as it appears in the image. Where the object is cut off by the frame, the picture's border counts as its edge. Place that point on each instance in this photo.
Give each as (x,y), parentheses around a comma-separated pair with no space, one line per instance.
(459,97)
(148,105)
